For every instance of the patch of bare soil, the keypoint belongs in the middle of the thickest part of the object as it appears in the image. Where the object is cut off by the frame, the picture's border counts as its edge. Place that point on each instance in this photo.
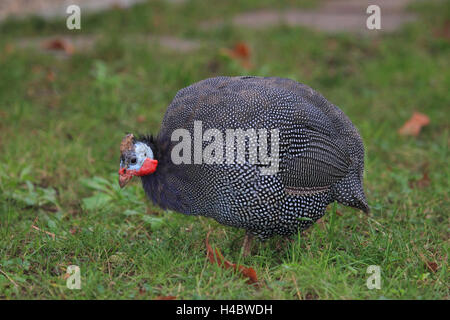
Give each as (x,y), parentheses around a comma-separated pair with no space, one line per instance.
(331,16)
(56,8)
(83,43)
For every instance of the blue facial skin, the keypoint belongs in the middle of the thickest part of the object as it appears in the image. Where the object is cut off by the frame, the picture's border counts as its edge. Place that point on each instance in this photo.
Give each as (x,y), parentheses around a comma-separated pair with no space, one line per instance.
(141,152)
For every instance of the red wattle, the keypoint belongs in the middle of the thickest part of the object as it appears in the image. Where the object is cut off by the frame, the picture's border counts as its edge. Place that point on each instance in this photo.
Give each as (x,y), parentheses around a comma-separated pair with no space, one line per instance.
(149,166)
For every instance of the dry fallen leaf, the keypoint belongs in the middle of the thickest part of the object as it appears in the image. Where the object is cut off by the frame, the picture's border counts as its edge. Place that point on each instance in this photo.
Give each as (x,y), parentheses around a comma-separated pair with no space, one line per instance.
(59,44)
(140,119)
(240,52)
(422,183)
(51,76)
(413,126)
(215,256)
(321,224)
(443,32)
(9,48)
(432,266)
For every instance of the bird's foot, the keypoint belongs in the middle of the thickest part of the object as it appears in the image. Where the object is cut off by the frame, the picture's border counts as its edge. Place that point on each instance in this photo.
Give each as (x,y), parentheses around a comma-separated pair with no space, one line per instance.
(247,246)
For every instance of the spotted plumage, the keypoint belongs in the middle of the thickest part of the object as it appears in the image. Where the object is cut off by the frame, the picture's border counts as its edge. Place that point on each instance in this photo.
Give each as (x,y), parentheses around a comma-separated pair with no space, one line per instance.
(321,156)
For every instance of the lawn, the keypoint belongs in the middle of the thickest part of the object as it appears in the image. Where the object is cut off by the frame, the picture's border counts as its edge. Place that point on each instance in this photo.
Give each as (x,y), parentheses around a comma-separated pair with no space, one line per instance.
(62,118)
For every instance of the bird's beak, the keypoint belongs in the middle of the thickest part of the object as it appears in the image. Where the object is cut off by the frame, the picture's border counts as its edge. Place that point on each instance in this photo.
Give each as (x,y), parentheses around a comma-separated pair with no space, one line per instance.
(124,177)
(148,167)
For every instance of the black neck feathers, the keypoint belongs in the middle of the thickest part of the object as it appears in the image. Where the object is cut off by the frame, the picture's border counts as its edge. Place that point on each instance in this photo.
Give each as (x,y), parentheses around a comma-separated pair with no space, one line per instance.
(162,186)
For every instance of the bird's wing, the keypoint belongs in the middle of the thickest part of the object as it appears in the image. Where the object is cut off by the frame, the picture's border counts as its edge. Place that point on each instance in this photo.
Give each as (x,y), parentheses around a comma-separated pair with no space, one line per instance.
(316,156)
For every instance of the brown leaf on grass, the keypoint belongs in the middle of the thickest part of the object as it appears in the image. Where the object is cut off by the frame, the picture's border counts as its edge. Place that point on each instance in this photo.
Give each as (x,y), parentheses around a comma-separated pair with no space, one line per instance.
(444,32)
(141,119)
(9,48)
(413,126)
(157,20)
(151,211)
(51,76)
(246,64)
(311,296)
(215,256)
(240,52)
(422,183)
(165,298)
(432,266)
(59,44)
(321,224)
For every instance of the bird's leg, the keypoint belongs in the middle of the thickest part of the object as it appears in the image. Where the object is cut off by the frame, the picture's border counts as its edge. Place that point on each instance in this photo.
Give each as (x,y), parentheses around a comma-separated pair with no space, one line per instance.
(247,246)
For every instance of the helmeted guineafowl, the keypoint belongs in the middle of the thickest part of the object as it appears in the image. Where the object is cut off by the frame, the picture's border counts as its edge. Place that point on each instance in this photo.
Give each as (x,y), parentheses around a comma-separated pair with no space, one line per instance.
(207,158)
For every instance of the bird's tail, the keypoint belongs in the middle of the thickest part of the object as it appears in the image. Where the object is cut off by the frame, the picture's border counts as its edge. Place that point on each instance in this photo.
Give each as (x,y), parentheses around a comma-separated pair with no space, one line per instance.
(350,192)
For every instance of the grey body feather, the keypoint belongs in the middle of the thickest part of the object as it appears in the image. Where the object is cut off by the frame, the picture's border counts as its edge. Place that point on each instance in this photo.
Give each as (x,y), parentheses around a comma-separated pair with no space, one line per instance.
(321,156)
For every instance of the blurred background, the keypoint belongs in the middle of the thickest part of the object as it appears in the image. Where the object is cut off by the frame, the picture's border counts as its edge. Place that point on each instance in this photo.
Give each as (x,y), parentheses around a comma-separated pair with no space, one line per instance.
(68,96)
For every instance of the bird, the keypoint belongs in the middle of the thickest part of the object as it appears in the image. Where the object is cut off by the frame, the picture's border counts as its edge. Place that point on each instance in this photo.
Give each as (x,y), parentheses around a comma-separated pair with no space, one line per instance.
(206,159)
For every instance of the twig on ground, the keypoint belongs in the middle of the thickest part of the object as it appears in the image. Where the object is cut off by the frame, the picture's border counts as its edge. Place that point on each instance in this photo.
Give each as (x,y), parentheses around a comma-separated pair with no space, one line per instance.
(9,278)
(299,295)
(46,232)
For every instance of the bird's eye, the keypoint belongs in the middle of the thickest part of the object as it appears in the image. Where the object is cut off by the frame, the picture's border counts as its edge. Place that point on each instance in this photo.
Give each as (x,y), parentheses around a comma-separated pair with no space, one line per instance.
(133,160)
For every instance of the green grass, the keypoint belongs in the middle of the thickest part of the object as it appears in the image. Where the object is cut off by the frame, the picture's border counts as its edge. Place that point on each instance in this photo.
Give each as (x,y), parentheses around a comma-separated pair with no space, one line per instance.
(59,144)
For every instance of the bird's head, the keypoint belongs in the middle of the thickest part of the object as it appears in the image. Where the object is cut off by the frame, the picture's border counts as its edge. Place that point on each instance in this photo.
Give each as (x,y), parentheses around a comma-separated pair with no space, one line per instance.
(137,158)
